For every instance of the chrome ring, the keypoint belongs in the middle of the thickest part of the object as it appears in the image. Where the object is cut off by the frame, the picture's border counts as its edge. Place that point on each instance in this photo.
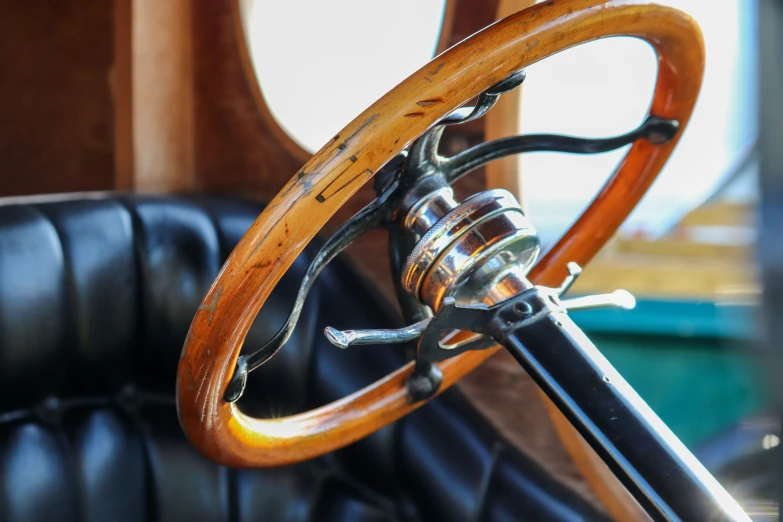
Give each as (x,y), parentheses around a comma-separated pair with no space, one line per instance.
(467,215)
(476,262)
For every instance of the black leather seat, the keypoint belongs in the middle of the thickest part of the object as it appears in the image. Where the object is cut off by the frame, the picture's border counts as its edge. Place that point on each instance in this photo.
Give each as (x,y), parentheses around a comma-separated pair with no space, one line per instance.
(96,296)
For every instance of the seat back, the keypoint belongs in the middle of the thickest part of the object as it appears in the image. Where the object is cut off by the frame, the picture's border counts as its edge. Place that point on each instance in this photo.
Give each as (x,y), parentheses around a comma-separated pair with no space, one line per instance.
(96,297)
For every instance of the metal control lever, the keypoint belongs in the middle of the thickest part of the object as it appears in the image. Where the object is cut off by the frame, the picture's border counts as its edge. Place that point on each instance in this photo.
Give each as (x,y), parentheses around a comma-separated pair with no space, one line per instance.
(346,338)
(574,271)
(617,299)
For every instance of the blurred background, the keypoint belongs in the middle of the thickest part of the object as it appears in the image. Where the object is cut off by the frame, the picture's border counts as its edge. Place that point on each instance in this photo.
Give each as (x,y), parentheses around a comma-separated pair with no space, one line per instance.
(231,98)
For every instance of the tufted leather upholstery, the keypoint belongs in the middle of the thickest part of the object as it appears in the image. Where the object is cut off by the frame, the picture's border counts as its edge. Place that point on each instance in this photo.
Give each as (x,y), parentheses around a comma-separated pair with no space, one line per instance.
(96,296)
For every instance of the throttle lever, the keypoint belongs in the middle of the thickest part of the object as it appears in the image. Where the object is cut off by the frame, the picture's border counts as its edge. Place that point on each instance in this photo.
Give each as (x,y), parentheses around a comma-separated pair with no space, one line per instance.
(345,338)
(618,299)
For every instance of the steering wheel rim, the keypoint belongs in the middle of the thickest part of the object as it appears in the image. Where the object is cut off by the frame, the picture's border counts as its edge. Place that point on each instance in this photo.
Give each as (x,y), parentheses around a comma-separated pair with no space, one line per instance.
(219,429)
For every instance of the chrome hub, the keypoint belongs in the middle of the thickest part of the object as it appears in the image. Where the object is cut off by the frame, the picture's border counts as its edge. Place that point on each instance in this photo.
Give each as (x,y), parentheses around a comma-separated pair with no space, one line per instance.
(479,245)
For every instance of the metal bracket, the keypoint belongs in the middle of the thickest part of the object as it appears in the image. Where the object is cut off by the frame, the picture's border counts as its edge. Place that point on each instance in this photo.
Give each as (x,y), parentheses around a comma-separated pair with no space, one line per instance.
(488,322)
(494,322)
(415,174)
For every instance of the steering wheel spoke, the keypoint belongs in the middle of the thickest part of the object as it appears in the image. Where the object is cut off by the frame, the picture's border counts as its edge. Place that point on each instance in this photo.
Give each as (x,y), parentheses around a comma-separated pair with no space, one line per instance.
(371,217)
(412,116)
(655,130)
(467,273)
(420,162)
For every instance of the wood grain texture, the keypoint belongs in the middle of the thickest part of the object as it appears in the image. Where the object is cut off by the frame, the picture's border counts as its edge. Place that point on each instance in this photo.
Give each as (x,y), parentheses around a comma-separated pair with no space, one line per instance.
(162,107)
(222,432)
(122,83)
(242,151)
(56,111)
(237,149)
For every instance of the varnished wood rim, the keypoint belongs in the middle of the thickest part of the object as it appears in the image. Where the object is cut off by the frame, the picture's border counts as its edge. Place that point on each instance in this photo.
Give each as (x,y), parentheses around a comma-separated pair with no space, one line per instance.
(225,434)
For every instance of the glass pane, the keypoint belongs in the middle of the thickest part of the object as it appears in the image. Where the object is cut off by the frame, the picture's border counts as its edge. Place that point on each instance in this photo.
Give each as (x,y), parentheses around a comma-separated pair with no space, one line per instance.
(604,88)
(320,64)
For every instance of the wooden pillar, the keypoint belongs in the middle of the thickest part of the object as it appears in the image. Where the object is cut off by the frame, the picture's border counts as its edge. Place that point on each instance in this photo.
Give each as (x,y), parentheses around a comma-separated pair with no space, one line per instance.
(154,93)
(121,82)
(504,120)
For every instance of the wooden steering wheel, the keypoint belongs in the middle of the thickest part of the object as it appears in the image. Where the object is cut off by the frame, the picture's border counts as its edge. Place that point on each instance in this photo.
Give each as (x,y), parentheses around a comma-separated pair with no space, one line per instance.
(218,428)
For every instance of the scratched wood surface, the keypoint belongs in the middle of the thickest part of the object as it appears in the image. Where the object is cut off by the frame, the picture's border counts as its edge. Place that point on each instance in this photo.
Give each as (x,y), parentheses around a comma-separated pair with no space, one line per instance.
(242,150)
(317,191)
